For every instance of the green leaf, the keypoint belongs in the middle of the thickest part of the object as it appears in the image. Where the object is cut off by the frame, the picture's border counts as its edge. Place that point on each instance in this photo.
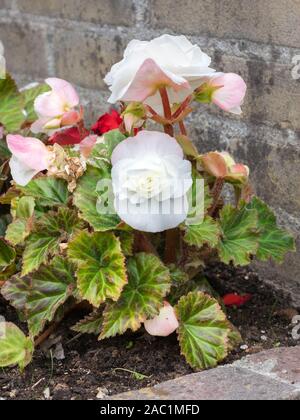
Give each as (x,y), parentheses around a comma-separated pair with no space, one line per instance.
(48,191)
(239,235)
(274,242)
(102,152)
(8,272)
(234,337)
(51,286)
(25,208)
(21,227)
(49,232)
(9,196)
(195,285)
(39,247)
(7,255)
(15,347)
(199,198)
(29,96)
(4,222)
(88,198)
(203,330)
(149,282)
(188,146)
(16,291)
(178,276)
(206,233)
(127,243)
(4,152)
(91,324)
(101,270)
(17,232)
(11,105)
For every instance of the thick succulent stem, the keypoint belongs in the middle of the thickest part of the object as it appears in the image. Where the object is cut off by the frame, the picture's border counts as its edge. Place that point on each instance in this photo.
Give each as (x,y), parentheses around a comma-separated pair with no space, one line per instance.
(172,244)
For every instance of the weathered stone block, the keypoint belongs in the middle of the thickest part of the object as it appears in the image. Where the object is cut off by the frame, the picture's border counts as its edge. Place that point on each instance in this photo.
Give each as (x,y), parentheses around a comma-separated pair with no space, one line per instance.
(25,50)
(115,12)
(273,95)
(268,21)
(224,383)
(85,58)
(280,364)
(5,4)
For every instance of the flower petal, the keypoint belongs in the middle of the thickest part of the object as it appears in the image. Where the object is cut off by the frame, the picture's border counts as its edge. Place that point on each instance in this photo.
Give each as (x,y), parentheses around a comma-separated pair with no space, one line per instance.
(231,94)
(66,137)
(233,299)
(49,104)
(147,142)
(39,125)
(215,164)
(164,324)
(30,151)
(20,172)
(86,146)
(70,118)
(64,90)
(153,216)
(149,78)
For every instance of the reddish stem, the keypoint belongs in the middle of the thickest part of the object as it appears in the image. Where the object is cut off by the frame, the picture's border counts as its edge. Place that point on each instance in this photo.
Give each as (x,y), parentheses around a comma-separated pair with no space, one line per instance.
(216,193)
(167,111)
(183,130)
(172,243)
(182,107)
(143,244)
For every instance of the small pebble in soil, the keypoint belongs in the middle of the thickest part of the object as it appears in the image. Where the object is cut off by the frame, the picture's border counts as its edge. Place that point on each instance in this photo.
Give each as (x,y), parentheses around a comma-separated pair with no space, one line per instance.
(102,393)
(244,347)
(264,338)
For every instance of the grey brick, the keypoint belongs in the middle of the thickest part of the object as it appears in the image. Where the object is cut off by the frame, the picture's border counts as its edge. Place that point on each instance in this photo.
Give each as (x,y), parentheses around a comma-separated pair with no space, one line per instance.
(5,4)
(280,364)
(273,95)
(115,12)
(223,383)
(85,58)
(268,21)
(25,50)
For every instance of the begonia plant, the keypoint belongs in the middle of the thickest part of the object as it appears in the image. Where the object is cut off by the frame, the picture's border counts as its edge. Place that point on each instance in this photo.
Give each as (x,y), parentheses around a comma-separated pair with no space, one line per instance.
(124,218)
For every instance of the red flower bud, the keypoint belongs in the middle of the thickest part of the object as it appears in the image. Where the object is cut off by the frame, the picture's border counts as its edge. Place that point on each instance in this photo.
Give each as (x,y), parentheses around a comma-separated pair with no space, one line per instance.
(107,122)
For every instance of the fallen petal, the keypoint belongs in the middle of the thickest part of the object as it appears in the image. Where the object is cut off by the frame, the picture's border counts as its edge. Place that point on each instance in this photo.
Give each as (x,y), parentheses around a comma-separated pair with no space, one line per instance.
(164,324)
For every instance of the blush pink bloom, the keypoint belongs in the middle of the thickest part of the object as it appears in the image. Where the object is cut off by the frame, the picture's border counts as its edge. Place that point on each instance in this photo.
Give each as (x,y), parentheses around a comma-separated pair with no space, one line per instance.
(29,157)
(169,61)
(229,91)
(222,166)
(164,324)
(57,108)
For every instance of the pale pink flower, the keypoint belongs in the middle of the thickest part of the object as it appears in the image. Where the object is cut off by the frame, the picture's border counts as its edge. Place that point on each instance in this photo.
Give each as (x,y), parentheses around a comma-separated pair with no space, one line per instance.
(56,109)
(222,166)
(29,157)
(229,91)
(167,61)
(163,324)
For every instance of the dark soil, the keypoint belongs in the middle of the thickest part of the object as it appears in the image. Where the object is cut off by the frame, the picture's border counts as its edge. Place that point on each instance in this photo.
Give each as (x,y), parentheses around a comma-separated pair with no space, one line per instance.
(94,369)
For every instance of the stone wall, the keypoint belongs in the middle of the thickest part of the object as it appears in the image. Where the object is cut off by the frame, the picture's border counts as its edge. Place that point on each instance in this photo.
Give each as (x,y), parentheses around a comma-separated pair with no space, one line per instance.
(80,39)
